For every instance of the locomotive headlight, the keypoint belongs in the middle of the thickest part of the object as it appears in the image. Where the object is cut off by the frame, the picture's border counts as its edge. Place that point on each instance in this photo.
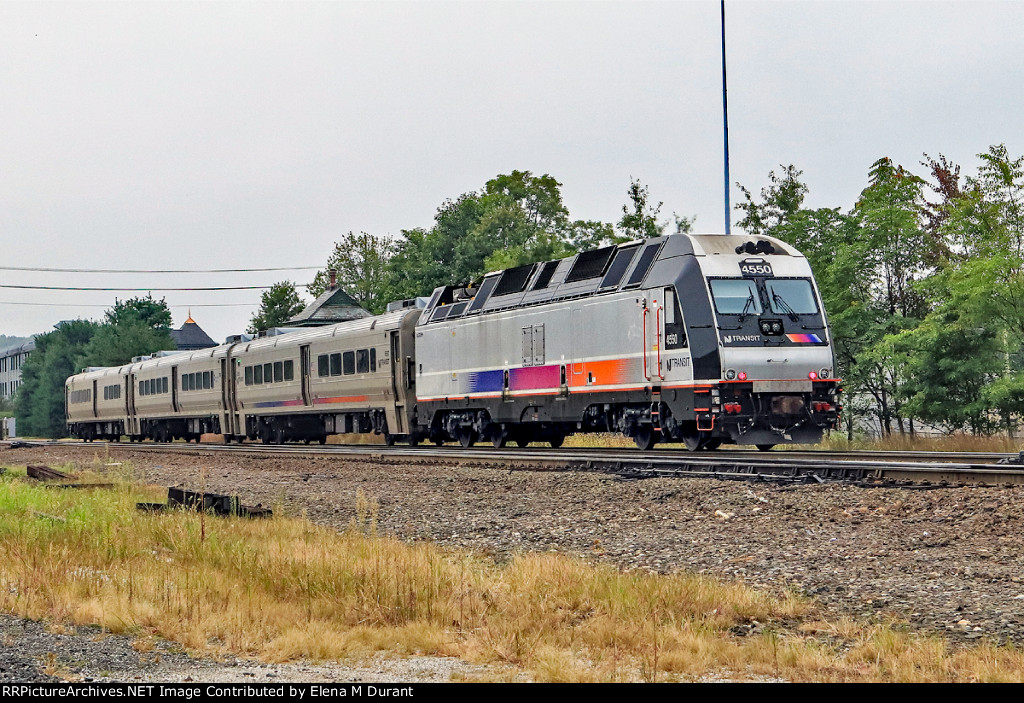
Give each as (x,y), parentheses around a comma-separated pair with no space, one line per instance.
(825,373)
(730,374)
(777,327)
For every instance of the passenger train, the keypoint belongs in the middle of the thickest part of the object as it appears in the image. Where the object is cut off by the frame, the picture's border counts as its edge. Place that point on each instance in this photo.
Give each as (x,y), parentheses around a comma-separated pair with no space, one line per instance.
(694,339)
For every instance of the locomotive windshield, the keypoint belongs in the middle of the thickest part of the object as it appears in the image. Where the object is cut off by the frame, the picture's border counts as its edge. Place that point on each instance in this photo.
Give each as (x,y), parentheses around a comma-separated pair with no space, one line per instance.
(792,295)
(735,296)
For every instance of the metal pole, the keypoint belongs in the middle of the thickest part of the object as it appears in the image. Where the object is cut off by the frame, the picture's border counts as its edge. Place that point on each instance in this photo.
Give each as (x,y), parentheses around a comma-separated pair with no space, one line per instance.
(725,122)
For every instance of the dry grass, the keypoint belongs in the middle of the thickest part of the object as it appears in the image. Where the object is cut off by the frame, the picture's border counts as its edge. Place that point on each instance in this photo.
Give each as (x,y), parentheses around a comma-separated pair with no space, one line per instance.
(950,443)
(287,589)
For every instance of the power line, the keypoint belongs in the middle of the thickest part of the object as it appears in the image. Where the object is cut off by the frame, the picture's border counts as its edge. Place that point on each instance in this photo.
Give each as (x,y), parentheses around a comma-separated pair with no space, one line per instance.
(134,290)
(97,305)
(55,270)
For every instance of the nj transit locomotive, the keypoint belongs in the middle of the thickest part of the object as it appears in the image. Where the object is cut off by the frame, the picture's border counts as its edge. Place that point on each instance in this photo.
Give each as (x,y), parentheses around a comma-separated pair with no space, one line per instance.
(698,339)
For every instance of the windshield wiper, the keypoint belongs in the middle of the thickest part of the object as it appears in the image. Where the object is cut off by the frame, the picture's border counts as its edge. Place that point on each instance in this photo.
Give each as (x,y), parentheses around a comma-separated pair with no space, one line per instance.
(785,307)
(750,302)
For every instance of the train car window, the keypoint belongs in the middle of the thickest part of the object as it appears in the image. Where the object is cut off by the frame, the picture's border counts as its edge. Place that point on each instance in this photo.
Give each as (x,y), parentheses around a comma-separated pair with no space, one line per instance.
(362,361)
(675,331)
(735,296)
(257,374)
(322,367)
(248,375)
(289,370)
(785,294)
(207,379)
(268,373)
(106,393)
(373,360)
(278,371)
(336,364)
(185,379)
(350,363)
(163,384)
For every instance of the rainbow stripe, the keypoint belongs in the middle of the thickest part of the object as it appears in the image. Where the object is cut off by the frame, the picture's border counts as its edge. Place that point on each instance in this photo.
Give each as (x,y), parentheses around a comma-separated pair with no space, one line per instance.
(804,338)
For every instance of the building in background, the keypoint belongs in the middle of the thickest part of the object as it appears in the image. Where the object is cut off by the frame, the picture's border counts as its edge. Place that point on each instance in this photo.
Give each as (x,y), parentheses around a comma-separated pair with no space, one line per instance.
(11,361)
(191,336)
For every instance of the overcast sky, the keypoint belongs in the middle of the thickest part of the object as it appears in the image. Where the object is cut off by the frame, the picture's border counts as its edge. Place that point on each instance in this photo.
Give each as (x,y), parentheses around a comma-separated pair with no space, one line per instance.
(240,135)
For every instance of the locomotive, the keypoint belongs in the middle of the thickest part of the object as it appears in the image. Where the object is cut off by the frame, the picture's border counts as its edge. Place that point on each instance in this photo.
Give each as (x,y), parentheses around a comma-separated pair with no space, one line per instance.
(693,339)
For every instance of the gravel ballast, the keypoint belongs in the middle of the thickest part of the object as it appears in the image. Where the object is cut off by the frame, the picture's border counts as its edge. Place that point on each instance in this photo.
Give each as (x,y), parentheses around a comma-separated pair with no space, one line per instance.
(945,560)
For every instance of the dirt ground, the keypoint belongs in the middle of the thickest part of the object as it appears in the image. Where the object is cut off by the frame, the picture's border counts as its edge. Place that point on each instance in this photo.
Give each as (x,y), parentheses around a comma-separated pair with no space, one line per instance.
(945,560)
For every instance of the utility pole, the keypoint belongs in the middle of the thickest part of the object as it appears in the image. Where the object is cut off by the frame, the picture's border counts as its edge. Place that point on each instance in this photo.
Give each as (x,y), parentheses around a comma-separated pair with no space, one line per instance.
(725,122)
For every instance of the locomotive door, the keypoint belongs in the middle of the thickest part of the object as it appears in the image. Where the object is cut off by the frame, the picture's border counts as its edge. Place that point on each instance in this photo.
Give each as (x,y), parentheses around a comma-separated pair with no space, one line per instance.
(133,421)
(304,367)
(653,335)
(577,377)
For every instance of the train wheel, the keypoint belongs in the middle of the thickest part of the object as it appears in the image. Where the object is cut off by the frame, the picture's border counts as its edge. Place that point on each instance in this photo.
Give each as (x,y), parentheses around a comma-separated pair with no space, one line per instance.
(645,438)
(556,441)
(437,441)
(499,440)
(389,439)
(265,437)
(279,437)
(521,443)
(322,439)
(711,445)
(765,447)
(227,439)
(467,438)
(413,439)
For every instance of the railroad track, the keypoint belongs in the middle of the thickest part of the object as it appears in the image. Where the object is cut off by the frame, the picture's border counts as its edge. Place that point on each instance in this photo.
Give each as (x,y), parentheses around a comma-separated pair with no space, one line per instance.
(869,468)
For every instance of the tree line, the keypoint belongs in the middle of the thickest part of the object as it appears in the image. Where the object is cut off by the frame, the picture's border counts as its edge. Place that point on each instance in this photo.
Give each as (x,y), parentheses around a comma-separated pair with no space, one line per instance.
(922,279)
(515,218)
(923,282)
(130,328)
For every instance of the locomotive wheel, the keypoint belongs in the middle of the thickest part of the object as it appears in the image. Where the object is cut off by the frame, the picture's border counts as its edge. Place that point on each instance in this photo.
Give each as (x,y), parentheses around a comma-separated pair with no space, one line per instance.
(265,437)
(227,439)
(700,442)
(437,441)
(521,443)
(556,441)
(389,439)
(499,439)
(467,438)
(279,435)
(645,438)
(322,439)
(413,439)
(764,447)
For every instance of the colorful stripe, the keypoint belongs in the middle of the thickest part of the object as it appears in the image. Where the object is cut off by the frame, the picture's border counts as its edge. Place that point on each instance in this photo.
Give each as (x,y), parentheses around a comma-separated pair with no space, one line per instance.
(531,378)
(804,338)
(277,403)
(340,399)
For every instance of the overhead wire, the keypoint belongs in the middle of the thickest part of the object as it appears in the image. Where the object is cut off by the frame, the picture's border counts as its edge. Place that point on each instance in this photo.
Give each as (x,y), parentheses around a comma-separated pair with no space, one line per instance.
(255,270)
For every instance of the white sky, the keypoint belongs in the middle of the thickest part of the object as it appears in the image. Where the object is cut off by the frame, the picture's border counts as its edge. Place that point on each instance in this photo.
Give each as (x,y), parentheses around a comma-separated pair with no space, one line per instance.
(239,135)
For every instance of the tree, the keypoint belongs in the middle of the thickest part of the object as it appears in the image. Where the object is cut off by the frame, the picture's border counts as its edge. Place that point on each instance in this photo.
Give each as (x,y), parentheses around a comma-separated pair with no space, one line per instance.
(40,399)
(134,327)
(277,306)
(640,218)
(781,199)
(516,218)
(360,263)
